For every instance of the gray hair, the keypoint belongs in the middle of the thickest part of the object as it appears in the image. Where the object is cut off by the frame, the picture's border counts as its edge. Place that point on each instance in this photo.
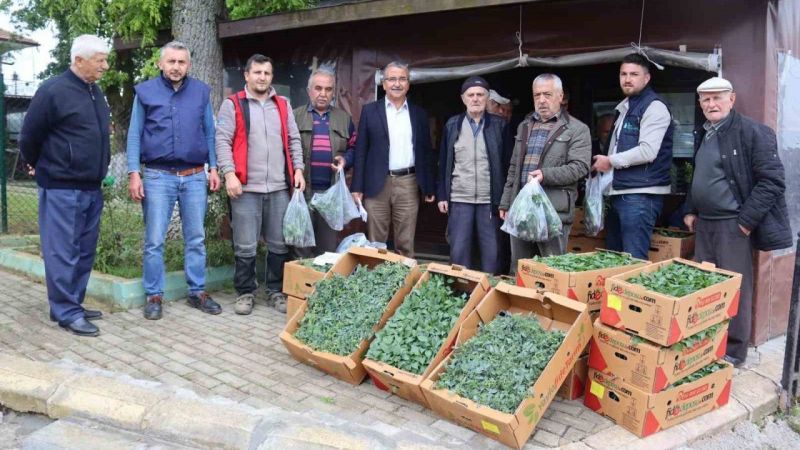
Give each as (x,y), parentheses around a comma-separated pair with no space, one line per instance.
(174,45)
(86,46)
(322,71)
(550,77)
(396,65)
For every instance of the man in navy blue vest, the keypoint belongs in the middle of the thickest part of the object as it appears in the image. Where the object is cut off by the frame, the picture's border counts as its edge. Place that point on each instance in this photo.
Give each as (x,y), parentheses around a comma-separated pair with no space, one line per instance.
(65,139)
(172,133)
(637,161)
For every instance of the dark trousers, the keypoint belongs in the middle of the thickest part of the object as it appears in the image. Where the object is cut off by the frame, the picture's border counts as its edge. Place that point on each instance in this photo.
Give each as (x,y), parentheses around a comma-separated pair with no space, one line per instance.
(722,242)
(69,225)
(465,223)
(630,222)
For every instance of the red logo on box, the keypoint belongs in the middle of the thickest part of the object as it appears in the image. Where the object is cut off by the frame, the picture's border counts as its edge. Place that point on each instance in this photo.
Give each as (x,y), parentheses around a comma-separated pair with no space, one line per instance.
(694,392)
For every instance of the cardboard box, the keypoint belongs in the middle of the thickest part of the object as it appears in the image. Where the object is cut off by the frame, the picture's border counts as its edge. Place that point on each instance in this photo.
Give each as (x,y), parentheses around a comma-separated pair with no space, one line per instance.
(293,305)
(665,319)
(554,312)
(643,414)
(299,280)
(588,287)
(349,368)
(584,244)
(575,384)
(663,248)
(650,367)
(578,227)
(407,384)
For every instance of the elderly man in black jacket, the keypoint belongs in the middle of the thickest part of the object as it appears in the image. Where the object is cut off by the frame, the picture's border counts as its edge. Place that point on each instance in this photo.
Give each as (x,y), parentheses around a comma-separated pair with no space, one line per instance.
(736,202)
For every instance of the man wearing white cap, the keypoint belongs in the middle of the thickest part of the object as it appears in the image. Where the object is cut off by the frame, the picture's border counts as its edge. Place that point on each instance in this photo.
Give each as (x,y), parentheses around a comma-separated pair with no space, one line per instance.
(499,105)
(736,201)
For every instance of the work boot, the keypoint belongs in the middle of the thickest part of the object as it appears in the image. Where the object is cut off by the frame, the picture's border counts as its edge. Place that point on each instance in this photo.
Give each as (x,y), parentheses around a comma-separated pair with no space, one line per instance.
(152,310)
(277,300)
(244,304)
(204,302)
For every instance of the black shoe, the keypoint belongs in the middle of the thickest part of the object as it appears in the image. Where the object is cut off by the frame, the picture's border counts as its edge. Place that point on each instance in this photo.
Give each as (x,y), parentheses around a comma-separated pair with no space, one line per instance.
(152,310)
(737,363)
(205,303)
(92,314)
(82,327)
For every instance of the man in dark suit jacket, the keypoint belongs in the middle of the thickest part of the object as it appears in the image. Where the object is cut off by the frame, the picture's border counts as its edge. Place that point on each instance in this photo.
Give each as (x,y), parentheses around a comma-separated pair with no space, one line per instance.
(393,158)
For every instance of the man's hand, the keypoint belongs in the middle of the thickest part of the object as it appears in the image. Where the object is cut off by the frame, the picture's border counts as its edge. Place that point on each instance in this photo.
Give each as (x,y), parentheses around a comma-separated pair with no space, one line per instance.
(442,207)
(430,198)
(601,163)
(357,196)
(689,220)
(745,230)
(135,187)
(503,214)
(213,180)
(299,181)
(232,185)
(536,175)
(338,163)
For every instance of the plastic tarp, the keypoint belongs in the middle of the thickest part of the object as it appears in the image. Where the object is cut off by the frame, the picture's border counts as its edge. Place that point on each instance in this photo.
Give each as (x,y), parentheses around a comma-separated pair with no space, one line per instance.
(789,133)
(709,62)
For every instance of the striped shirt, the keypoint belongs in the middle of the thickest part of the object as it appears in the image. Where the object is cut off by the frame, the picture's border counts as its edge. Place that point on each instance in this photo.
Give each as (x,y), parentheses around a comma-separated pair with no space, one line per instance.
(321,157)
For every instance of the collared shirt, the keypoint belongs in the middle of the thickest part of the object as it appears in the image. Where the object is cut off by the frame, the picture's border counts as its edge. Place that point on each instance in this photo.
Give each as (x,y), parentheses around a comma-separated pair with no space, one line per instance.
(540,131)
(401,145)
(476,126)
(713,128)
(321,157)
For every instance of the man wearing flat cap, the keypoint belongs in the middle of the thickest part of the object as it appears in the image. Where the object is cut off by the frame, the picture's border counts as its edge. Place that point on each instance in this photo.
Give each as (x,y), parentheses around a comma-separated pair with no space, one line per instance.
(471,178)
(736,201)
(555,149)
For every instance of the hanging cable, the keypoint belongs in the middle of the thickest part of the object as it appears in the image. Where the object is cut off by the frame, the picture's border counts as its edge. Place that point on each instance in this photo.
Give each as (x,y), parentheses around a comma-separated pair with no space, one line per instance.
(641,23)
(522,58)
(638,46)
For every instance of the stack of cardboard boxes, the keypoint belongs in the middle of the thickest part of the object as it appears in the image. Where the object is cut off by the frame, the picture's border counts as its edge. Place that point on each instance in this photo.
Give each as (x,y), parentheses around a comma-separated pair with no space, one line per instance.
(579,241)
(645,345)
(299,278)
(668,243)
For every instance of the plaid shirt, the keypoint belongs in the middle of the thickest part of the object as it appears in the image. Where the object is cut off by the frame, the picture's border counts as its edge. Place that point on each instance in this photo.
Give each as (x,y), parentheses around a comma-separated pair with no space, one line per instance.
(539,132)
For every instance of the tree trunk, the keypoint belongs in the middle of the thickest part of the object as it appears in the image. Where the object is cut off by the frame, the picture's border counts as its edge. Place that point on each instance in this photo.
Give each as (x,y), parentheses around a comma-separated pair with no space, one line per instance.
(193,23)
(120,99)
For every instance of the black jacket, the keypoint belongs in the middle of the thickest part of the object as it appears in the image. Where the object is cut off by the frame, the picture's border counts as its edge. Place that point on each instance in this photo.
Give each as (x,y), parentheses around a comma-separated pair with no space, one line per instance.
(372,150)
(65,135)
(750,160)
(498,141)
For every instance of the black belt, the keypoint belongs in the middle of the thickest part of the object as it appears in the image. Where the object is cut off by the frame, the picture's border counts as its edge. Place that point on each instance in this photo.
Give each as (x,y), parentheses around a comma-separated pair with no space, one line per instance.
(401,172)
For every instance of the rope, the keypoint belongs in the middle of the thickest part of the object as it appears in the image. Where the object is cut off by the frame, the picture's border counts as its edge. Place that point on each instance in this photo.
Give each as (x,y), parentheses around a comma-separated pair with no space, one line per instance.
(641,23)
(522,59)
(640,50)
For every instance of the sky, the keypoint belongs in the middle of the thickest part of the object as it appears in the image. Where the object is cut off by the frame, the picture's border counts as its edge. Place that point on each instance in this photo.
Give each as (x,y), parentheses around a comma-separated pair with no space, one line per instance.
(27,63)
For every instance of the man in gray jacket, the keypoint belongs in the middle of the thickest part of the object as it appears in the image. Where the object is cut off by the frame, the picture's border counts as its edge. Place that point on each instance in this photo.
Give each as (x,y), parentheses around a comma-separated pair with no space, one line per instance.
(260,155)
(555,149)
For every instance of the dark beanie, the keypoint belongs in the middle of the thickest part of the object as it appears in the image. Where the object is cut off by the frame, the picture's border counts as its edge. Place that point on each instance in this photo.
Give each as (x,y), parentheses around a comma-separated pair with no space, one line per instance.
(472,82)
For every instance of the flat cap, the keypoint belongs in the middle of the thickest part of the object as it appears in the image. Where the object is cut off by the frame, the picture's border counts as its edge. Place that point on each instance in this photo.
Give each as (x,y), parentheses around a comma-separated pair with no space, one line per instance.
(493,95)
(715,84)
(474,81)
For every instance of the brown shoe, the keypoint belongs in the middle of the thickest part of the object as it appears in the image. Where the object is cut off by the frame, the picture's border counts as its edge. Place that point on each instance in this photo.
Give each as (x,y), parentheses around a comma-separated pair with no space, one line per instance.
(204,302)
(152,310)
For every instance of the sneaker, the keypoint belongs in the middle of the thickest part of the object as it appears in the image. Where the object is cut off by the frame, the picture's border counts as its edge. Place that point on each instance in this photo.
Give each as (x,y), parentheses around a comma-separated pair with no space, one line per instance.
(152,310)
(277,300)
(244,304)
(204,302)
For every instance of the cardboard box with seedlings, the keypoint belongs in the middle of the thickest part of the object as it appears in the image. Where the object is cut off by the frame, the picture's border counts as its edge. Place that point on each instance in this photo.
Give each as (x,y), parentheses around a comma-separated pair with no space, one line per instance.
(406,384)
(552,312)
(585,244)
(664,318)
(349,367)
(293,305)
(668,243)
(300,276)
(644,413)
(587,286)
(651,367)
(575,383)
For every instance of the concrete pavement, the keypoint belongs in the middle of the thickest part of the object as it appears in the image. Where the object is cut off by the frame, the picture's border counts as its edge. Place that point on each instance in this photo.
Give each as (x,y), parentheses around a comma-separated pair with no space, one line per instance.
(137,375)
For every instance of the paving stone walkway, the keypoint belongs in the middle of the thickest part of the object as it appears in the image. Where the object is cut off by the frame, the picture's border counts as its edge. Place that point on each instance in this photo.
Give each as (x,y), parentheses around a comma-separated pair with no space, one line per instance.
(241,358)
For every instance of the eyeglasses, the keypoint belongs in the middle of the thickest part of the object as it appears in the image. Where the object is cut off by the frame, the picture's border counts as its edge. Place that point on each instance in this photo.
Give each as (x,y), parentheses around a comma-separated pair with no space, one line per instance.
(394,80)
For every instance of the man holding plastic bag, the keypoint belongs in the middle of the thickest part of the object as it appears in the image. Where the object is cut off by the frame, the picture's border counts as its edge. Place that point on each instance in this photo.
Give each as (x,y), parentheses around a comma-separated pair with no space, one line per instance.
(259,153)
(552,149)
(328,137)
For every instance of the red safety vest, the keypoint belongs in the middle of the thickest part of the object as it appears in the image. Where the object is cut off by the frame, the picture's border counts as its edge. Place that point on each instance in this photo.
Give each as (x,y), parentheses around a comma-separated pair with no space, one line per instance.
(243,129)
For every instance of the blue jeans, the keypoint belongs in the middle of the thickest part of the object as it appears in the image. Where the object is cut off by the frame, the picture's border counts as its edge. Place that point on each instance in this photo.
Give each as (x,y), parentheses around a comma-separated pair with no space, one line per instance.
(469,224)
(630,222)
(161,191)
(69,224)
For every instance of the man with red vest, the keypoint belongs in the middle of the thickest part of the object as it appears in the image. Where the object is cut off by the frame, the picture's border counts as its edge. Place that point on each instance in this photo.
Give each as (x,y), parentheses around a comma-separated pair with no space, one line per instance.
(260,155)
